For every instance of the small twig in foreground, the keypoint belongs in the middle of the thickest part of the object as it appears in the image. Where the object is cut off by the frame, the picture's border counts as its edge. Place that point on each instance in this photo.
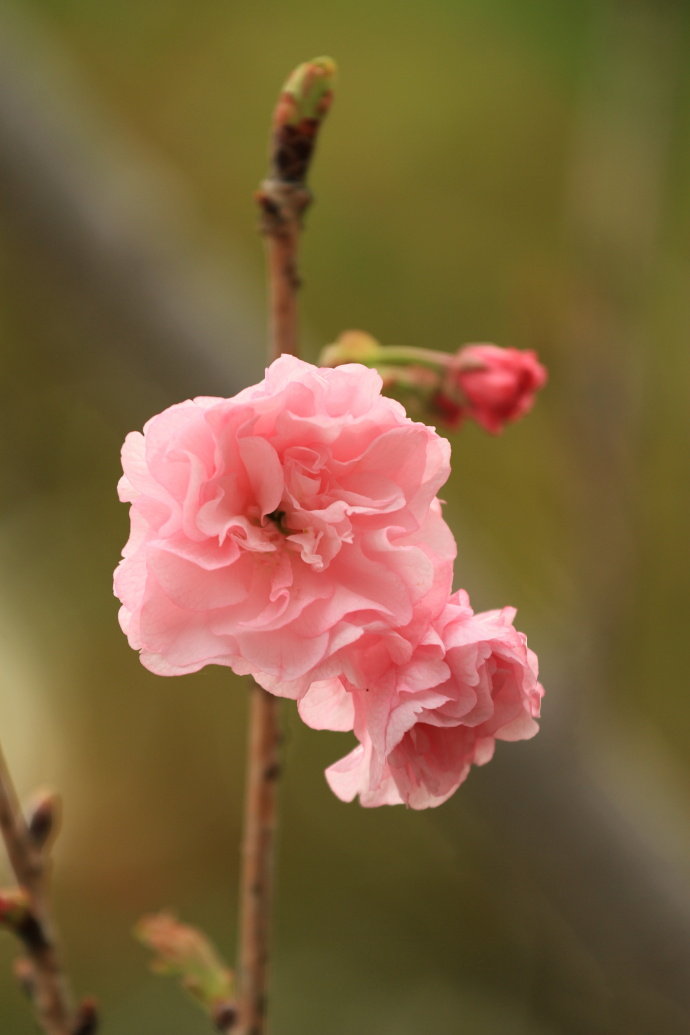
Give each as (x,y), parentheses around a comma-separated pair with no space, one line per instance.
(26,911)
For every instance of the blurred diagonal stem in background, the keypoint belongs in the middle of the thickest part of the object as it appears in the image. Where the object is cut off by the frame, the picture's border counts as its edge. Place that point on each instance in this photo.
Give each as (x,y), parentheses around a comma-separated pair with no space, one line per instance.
(42,974)
(282,200)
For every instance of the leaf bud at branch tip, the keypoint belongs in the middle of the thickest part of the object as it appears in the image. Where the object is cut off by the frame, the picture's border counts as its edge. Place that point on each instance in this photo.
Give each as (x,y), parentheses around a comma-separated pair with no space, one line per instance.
(304,101)
(225,1016)
(14,908)
(43,813)
(17,916)
(307,93)
(86,1020)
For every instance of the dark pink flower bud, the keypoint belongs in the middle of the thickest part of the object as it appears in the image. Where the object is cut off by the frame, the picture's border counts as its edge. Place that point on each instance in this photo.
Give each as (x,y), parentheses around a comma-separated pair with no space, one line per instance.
(491,385)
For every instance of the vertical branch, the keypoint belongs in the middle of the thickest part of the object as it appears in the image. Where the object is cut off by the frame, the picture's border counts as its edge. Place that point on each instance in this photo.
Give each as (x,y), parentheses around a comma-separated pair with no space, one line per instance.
(27,844)
(282,204)
(282,198)
(256,884)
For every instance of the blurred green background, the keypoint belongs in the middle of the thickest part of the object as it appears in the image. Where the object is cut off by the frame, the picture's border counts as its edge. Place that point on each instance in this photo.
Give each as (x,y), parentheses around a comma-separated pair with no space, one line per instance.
(492,170)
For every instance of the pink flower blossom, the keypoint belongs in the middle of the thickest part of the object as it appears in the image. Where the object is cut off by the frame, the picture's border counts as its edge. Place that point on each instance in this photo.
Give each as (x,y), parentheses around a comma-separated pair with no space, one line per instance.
(272,530)
(492,385)
(423,723)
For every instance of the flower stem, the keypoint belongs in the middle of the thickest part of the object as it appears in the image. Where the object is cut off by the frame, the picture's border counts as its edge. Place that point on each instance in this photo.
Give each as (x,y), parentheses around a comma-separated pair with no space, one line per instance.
(282,198)
(283,281)
(42,973)
(263,771)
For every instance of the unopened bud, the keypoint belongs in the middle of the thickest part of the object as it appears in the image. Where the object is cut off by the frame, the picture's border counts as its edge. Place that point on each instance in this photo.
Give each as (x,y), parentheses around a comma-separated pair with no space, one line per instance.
(43,817)
(489,384)
(86,1020)
(351,347)
(14,907)
(17,916)
(225,1016)
(307,93)
(304,101)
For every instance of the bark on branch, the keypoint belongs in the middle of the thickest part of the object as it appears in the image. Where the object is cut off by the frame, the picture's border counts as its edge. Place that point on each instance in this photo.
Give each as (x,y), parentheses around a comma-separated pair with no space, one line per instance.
(28,912)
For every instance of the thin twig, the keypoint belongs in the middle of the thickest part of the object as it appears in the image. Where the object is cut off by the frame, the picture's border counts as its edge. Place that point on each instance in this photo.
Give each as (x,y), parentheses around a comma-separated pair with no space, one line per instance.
(282,199)
(281,253)
(28,854)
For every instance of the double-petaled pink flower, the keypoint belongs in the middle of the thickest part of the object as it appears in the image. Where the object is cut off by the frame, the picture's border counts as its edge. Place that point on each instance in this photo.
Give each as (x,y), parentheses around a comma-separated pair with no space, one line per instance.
(424,721)
(271,531)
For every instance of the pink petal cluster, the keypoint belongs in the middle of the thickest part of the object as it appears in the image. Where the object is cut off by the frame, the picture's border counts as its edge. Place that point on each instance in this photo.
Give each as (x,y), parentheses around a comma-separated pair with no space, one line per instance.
(293,532)
(272,530)
(489,384)
(424,722)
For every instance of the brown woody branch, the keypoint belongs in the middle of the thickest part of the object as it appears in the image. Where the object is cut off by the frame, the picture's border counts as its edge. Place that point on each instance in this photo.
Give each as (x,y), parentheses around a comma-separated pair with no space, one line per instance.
(28,912)
(256,881)
(282,198)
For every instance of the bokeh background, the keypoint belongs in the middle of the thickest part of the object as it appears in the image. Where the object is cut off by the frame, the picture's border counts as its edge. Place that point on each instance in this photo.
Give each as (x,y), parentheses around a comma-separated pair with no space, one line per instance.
(515,171)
